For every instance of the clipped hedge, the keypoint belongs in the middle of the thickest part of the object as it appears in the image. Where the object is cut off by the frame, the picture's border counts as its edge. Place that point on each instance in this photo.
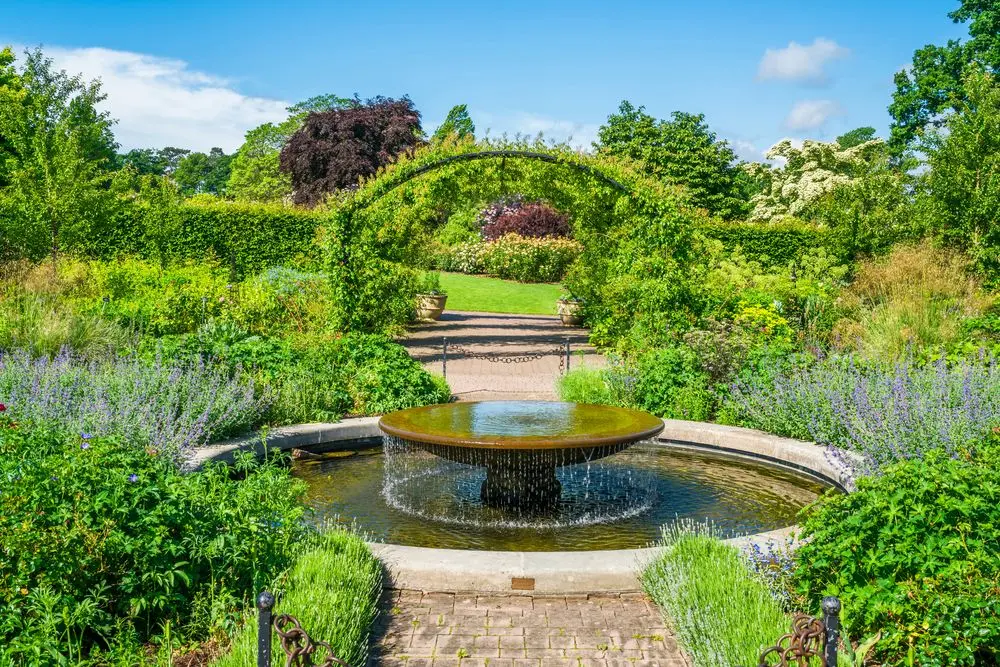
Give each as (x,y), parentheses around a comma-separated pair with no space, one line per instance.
(769,244)
(246,237)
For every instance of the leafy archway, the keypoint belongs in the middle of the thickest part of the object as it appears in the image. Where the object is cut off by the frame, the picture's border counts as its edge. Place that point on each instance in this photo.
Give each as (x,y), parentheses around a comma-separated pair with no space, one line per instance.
(637,233)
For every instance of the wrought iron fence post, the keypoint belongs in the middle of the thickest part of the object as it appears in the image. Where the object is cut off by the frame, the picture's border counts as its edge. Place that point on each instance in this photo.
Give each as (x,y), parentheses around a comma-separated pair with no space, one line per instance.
(567,355)
(265,604)
(444,357)
(831,625)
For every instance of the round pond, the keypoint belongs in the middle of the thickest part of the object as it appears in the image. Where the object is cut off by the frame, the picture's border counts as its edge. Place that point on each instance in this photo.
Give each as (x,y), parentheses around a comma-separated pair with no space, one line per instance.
(618,502)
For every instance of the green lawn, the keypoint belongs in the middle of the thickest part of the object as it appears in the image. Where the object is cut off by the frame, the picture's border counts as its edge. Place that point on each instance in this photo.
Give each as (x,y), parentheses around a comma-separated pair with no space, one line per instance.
(492,295)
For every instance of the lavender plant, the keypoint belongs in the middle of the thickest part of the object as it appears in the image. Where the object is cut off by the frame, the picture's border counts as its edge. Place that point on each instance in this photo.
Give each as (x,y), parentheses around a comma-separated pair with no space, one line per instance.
(883,412)
(167,407)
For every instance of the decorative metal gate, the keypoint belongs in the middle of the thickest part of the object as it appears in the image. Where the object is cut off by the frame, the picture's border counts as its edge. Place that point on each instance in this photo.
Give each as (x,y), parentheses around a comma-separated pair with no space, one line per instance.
(809,638)
(299,649)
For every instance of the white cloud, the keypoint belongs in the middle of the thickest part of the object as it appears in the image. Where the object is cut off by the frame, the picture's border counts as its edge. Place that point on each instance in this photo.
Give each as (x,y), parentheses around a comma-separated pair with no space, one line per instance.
(576,133)
(161,102)
(812,114)
(798,62)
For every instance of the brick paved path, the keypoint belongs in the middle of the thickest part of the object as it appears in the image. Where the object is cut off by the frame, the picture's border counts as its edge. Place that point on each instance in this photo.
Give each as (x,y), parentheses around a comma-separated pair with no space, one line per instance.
(469,630)
(498,335)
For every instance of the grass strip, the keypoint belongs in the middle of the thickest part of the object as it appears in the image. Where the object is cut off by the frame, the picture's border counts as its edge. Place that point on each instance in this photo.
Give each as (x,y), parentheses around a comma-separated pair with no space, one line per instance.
(333,590)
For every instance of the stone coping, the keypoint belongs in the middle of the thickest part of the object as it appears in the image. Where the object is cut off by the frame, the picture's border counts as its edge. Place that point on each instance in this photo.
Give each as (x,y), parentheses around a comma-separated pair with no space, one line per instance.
(539,571)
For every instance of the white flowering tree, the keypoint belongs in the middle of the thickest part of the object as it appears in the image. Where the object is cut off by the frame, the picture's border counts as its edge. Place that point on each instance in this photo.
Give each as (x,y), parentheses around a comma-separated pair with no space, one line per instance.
(809,172)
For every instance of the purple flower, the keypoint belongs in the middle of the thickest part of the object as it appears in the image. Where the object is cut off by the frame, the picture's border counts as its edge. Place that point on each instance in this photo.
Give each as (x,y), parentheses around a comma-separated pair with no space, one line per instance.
(85,445)
(86,436)
(133,478)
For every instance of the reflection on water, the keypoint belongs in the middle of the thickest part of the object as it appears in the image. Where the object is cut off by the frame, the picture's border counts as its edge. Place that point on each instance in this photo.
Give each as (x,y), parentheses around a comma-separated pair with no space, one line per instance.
(443,509)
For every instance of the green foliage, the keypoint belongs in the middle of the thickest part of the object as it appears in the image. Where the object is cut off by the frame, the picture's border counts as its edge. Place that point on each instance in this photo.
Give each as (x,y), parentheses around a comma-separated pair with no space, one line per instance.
(857,136)
(105,543)
(153,162)
(963,186)
(457,123)
(680,151)
(671,384)
(58,147)
(254,171)
(723,614)
(333,590)
(198,173)
(913,554)
(933,86)
(771,244)
(245,237)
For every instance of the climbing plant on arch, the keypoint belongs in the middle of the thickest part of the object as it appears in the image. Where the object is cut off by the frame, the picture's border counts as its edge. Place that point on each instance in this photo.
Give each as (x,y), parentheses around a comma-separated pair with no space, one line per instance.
(638,234)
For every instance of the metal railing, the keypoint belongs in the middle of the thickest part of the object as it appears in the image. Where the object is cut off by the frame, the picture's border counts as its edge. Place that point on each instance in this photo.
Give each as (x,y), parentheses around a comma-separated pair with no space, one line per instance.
(299,649)
(809,638)
(563,351)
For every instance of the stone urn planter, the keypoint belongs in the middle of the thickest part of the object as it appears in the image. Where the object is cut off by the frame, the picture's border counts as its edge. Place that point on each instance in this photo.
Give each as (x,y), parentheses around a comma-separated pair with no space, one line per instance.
(430,306)
(570,312)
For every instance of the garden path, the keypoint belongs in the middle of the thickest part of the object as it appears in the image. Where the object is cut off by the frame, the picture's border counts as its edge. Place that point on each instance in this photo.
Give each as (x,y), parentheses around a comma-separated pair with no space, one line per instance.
(495,356)
(423,629)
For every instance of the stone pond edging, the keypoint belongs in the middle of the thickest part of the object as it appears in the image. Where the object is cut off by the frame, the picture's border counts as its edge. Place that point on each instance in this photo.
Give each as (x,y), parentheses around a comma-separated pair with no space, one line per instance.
(540,572)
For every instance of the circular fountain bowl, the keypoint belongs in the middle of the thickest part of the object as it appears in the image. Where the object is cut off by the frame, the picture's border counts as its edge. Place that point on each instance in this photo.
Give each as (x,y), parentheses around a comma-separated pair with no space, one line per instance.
(521,443)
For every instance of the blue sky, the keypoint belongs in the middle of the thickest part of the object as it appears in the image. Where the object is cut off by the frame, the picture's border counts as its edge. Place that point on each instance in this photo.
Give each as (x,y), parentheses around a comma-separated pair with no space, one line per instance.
(198,74)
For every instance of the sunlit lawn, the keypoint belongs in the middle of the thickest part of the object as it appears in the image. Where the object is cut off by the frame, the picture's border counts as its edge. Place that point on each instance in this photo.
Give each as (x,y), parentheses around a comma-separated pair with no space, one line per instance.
(492,295)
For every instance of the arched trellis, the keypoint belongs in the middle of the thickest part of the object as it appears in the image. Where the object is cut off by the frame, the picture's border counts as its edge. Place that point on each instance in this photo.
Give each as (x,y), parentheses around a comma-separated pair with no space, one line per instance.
(650,237)
(485,155)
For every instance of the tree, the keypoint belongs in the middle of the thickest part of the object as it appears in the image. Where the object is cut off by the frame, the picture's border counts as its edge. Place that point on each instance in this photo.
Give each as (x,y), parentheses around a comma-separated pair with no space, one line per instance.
(857,136)
(56,168)
(457,123)
(255,173)
(963,185)
(198,173)
(932,87)
(9,81)
(334,149)
(809,173)
(681,151)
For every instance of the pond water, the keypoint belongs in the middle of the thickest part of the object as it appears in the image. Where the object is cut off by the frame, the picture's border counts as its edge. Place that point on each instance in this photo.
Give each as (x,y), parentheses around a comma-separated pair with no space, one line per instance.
(619,502)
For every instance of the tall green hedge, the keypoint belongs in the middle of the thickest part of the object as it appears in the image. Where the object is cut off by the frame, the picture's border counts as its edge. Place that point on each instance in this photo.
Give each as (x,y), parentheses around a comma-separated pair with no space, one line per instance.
(244,236)
(770,244)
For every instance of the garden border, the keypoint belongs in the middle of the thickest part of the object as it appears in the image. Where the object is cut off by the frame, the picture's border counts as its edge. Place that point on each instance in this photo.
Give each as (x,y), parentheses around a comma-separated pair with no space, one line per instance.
(550,572)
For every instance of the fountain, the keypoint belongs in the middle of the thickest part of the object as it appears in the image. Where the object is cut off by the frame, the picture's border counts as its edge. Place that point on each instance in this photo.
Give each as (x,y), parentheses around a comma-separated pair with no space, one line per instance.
(520,444)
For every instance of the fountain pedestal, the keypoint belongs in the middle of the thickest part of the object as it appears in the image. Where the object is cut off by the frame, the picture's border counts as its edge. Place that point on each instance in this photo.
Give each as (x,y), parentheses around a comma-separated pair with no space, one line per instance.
(532,487)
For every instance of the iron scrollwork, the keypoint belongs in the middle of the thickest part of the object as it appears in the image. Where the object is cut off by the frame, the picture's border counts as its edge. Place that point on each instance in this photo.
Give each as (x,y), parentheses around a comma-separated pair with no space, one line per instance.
(299,648)
(795,649)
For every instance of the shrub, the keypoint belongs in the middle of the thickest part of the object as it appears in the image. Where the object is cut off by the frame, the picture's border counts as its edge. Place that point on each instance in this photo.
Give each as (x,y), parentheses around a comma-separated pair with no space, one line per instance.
(513,257)
(528,220)
(169,407)
(671,384)
(333,590)
(770,244)
(722,613)
(914,554)
(916,297)
(103,543)
(883,412)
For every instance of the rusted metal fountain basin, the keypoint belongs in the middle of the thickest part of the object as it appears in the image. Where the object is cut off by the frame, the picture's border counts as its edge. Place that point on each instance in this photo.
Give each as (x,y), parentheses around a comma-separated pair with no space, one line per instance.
(521,443)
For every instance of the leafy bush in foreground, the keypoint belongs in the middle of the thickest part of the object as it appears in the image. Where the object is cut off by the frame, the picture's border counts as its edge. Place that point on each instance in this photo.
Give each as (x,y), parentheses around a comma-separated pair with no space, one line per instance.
(723,614)
(913,554)
(103,543)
